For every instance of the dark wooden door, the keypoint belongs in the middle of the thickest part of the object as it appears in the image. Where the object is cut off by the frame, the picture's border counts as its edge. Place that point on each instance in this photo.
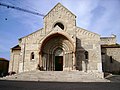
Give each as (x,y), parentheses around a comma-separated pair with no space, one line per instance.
(58,63)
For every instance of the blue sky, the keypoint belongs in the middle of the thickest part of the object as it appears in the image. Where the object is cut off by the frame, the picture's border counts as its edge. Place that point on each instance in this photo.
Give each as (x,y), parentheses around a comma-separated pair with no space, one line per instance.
(99,16)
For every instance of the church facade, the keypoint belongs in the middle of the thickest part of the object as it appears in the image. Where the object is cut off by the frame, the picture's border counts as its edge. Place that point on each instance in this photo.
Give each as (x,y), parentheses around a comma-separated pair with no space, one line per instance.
(61,46)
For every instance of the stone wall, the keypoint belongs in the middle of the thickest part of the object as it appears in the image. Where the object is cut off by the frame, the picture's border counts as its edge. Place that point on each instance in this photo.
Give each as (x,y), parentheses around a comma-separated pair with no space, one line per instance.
(14,61)
(111,60)
(60,14)
(108,40)
(90,42)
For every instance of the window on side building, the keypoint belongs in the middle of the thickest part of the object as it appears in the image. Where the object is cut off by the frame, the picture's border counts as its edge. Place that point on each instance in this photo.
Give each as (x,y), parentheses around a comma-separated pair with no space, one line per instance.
(111,59)
(86,54)
(32,56)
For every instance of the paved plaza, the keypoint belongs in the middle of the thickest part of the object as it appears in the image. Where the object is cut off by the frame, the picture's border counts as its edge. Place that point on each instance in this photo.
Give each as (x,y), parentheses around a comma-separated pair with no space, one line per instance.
(34,85)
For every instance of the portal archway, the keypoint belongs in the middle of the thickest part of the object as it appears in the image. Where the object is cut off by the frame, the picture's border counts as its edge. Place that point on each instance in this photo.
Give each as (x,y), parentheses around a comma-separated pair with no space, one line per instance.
(57,53)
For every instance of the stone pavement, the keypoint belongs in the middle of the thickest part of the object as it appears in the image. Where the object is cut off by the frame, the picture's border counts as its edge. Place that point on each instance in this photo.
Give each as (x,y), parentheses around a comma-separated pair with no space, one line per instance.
(36,80)
(37,85)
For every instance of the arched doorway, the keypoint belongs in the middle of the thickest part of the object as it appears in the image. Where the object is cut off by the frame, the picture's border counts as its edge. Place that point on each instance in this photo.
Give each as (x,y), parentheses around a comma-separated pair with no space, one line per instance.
(57,53)
(59,59)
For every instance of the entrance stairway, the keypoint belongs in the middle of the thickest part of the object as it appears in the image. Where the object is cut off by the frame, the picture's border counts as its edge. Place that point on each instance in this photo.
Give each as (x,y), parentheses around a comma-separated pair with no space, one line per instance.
(57,76)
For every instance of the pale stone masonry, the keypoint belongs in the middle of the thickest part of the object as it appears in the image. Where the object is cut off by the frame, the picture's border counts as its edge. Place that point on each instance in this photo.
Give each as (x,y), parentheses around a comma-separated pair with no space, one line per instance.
(59,46)
(111,58)
(108,40)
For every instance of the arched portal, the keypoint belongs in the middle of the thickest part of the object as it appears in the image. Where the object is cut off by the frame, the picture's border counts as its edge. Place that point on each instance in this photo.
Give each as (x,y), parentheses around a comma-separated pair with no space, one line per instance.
(57,53)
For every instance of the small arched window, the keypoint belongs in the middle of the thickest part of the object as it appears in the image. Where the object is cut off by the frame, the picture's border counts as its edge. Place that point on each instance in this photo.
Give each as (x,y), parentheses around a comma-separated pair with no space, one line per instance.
(111,59)
(32,56)
(86,54)
(60,25)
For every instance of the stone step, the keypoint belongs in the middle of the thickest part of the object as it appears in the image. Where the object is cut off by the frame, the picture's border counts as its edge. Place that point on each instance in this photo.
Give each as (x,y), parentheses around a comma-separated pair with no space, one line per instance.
(64,76)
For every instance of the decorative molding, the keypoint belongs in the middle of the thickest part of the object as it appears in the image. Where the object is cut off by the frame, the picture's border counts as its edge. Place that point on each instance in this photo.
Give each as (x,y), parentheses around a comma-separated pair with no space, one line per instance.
(80,31)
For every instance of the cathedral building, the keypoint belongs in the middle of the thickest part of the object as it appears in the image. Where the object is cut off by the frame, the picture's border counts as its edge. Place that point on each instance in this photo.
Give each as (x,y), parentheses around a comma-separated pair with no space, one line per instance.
(62,46)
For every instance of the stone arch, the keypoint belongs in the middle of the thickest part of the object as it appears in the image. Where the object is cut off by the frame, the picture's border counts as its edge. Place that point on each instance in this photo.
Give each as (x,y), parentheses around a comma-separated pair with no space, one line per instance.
(61,22)
(60,25)
(53,35)
(58,52)
(50,45)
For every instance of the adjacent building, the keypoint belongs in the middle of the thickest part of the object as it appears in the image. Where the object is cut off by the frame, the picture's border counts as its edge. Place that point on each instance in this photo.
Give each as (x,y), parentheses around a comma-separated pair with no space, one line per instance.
(4,64)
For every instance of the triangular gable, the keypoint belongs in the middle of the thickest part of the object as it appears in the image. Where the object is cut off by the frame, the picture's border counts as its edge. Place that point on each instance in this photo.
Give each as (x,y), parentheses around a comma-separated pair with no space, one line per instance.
(59,5)
(40,30)
(17,47)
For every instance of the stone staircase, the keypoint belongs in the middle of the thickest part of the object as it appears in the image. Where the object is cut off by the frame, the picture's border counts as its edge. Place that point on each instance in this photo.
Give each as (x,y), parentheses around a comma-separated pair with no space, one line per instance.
(57,76)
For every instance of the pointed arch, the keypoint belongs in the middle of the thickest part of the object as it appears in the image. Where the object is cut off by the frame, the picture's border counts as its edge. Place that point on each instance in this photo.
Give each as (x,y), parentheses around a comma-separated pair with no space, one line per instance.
(56,34)
(50,47)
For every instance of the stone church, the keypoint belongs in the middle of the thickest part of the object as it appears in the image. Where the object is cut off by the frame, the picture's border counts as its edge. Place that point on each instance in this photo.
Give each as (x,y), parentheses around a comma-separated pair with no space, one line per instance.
(62,46)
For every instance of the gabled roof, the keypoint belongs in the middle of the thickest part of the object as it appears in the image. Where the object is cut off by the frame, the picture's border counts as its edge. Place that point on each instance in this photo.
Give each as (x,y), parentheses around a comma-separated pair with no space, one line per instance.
(31,33)
(17,47)
(111,46)
(3,59)
(106,37)
(61,6)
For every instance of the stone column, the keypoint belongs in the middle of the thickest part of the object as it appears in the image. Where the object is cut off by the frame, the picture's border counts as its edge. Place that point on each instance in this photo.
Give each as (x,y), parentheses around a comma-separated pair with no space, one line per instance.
(40,60)
(74,61)
(99,64)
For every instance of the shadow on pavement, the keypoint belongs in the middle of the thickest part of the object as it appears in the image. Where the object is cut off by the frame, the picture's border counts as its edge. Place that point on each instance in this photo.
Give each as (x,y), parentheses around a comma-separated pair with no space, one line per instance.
(113,78)
(40,85)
